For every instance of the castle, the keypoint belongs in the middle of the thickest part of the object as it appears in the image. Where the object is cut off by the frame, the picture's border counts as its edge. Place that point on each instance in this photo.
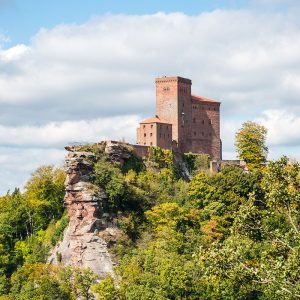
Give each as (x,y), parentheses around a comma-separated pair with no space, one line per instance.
(191,123)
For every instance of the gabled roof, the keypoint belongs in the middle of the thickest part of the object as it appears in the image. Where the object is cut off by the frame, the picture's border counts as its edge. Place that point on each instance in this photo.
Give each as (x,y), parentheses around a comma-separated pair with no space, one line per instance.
(154,120)
(200,98)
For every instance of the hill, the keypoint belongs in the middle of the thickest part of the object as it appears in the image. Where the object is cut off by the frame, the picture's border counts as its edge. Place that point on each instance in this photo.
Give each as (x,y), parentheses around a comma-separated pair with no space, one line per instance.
(159,235)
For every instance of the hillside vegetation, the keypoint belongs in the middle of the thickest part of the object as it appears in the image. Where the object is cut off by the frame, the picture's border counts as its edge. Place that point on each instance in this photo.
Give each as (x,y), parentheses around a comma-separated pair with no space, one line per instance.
(230,235)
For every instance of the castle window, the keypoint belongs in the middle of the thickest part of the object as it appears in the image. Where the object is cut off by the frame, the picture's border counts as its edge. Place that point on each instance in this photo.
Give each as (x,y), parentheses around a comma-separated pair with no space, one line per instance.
(210,122)
(168,135)
(202,121)
(144,126)
(183,104)
(151,126)
(145,134)
(151,144)
(160,135)
(144,144)
(150,133)
(195,133)
(209,134)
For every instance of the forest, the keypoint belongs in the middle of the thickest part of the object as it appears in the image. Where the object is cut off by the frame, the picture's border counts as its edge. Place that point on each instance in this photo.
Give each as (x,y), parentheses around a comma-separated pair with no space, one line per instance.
(234,234)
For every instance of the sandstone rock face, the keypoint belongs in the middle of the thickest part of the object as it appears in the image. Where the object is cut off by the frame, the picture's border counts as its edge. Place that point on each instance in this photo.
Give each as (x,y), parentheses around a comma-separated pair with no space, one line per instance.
(117,152)
(91,228)
(86,203)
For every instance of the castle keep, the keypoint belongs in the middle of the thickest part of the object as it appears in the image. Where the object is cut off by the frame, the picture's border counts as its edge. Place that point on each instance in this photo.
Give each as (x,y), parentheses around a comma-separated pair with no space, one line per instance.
(190,122)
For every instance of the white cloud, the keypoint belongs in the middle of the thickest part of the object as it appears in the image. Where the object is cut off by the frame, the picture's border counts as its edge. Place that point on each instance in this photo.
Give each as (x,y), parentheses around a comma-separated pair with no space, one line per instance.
(13,54)
(107,65)
(283,127)
(18,164)
(92,81)
(58,134)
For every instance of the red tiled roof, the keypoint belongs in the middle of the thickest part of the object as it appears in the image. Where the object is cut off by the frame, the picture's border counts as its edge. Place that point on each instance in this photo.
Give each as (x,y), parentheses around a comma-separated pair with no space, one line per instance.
(200,98)
(154,120)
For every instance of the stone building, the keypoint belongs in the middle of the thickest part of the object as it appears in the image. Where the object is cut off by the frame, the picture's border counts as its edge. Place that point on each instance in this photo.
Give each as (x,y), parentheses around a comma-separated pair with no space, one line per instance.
(191,122)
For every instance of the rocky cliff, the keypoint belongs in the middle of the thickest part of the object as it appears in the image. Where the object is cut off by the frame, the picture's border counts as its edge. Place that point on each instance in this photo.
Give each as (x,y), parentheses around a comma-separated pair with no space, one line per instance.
(83,244)
(91,227)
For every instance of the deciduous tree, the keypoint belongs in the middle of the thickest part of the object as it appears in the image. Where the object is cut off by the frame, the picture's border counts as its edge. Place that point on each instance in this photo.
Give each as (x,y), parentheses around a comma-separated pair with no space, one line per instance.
(250,143)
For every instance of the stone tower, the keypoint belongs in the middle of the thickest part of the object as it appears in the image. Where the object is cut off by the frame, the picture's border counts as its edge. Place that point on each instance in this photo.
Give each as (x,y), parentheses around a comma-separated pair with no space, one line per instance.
(194,121)
(173,105)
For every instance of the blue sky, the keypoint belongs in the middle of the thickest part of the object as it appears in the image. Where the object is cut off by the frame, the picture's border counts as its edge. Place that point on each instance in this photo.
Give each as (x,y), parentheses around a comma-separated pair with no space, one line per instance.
(20,19)
(83,71)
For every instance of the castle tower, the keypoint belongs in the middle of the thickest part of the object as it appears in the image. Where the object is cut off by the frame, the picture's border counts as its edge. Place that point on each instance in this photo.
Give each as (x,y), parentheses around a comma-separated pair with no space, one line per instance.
(173,105)
(192,121)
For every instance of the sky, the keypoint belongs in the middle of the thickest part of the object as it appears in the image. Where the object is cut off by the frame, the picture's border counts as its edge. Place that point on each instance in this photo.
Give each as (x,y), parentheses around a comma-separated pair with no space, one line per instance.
(84,71)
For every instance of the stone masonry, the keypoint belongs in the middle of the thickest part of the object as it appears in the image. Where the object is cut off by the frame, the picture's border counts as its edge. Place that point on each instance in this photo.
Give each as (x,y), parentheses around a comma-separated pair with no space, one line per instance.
(192,122)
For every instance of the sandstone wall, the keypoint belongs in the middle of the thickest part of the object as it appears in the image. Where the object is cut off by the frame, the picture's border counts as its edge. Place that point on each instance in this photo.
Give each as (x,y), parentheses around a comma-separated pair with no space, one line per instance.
(86,203)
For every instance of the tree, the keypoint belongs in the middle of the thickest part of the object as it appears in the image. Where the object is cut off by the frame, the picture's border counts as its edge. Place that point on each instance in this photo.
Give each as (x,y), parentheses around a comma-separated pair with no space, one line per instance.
(106,289)
(44,193)
(250,144)
(282,186)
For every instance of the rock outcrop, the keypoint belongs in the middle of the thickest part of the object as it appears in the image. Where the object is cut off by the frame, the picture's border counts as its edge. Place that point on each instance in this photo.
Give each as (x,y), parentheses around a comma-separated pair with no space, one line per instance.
(82,244)
(91,229)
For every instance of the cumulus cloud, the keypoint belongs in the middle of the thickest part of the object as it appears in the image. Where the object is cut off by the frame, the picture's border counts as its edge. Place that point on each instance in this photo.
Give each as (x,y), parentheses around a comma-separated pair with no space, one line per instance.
(14,54)
(107,65)
(283,127)
(58,134)
(17,164)
(95,80)
(25,148)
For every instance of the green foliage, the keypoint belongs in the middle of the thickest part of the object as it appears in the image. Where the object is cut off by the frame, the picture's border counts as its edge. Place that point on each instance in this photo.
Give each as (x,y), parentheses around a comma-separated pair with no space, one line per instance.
(97,149)
(230,235)
(163,159)
(134,163)
(44,194)
(196,162)
(235,238)
(250,144)
(58,229)
(30,223)
(106,289)
(110,177)
(36,247)
(45,281)
(38,281)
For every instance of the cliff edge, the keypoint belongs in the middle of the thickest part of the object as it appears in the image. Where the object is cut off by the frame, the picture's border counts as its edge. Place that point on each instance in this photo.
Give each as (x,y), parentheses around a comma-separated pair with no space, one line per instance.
(86,203)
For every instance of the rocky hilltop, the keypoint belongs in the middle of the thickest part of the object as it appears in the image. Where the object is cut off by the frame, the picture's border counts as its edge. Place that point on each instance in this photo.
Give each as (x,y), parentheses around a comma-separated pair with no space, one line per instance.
(83,243)
(91,225)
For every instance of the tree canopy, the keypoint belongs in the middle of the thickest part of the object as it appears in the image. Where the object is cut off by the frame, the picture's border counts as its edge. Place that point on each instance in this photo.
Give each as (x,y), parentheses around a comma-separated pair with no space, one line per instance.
(228,235)
(250,144)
